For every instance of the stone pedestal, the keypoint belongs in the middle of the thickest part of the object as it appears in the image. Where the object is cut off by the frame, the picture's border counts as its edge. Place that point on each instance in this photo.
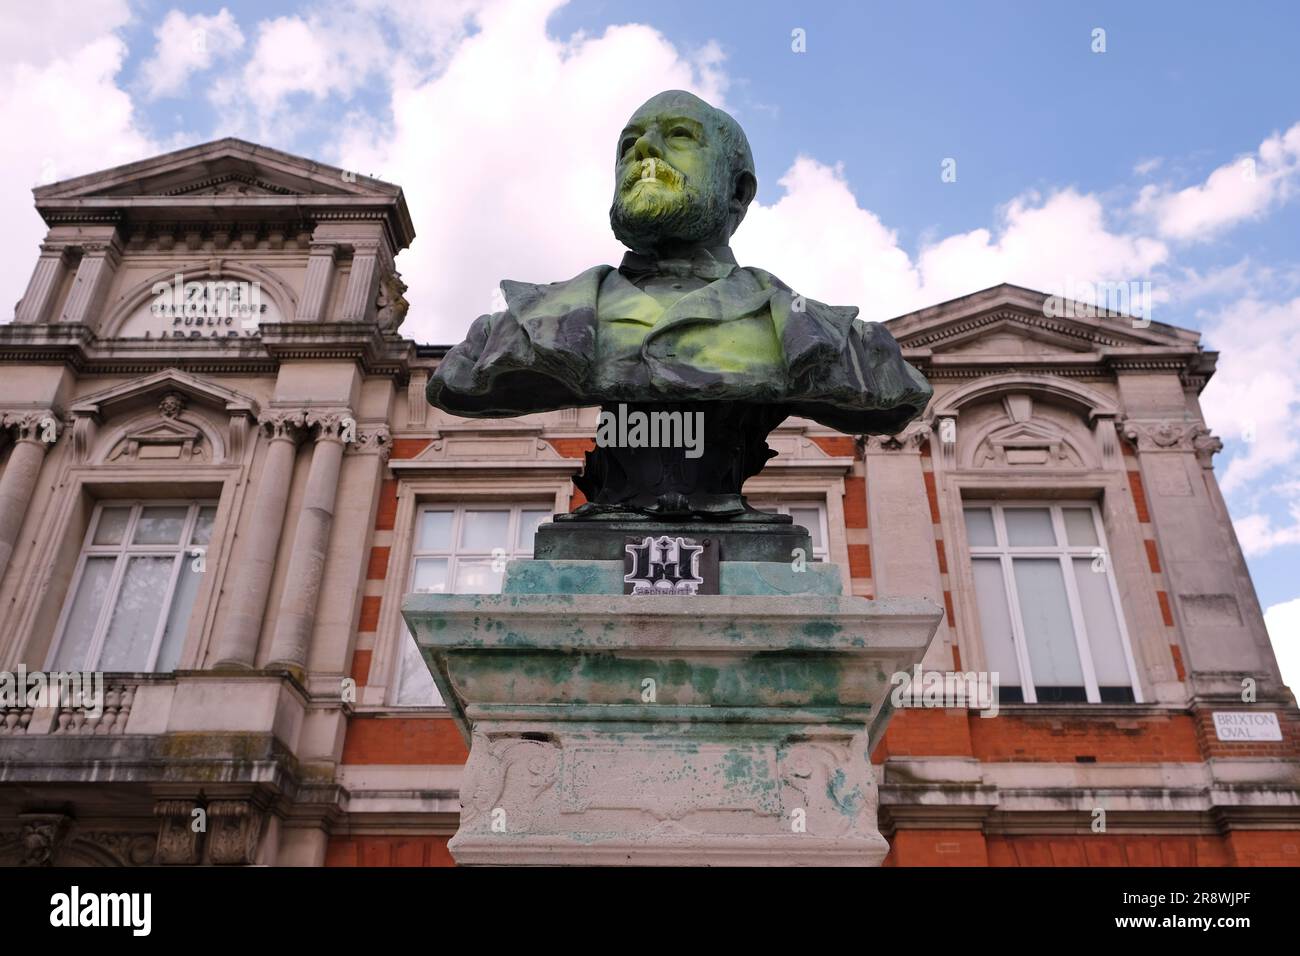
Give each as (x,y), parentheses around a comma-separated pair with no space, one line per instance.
(710,730)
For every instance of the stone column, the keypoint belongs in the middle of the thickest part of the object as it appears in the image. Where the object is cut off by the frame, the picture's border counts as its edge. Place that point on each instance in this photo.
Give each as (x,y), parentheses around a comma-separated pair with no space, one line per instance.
(363,282)
(310,541)
(35,305)
(316,287)
(237,645)
(19,478)
(99,261)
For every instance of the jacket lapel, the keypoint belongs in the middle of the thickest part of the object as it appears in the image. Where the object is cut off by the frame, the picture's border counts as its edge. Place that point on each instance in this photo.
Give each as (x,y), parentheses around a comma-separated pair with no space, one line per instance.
(722,300)
(620,300)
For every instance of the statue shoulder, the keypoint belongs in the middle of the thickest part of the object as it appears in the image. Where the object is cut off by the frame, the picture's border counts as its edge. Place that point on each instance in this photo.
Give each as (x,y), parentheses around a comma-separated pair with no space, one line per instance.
(789,305)
(528,299)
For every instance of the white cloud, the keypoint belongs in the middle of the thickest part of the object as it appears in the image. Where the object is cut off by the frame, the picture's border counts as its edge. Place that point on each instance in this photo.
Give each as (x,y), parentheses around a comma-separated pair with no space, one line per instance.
(35,33)
(818,239)
(1147,166)
(1283,622)
(64,113)
(506,156)
(186,45)
(296,71)
(1258,535)
(1254,397)
(300,65)
(1245,188)
(1046,244)
(821,242)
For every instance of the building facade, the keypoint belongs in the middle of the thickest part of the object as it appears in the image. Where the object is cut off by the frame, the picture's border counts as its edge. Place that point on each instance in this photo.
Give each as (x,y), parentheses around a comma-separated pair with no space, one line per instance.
(219,476)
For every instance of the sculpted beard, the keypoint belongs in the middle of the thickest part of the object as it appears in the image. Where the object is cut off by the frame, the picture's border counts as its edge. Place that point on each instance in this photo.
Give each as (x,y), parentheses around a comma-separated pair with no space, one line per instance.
(643,218)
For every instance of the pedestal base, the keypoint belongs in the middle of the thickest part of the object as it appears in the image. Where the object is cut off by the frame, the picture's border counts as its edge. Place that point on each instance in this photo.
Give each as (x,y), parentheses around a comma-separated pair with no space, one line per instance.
(708,730)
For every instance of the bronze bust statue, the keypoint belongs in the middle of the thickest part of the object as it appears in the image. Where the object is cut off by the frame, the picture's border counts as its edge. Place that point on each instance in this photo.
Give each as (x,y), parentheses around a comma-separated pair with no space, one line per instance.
(692,358)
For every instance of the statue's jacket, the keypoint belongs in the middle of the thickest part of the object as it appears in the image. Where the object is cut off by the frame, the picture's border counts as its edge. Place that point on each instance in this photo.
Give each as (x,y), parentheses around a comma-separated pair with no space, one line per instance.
(746,337)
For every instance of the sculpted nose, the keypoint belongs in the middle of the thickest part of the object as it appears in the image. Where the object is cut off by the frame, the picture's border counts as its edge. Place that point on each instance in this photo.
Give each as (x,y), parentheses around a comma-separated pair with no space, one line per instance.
(649,144)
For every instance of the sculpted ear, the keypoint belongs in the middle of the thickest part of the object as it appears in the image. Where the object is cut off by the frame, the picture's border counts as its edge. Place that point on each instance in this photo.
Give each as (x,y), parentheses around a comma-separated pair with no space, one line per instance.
(742,194)
(745,189)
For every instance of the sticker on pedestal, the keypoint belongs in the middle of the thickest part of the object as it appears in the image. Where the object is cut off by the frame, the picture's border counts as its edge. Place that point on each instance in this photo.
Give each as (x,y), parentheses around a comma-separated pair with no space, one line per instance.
(670,565)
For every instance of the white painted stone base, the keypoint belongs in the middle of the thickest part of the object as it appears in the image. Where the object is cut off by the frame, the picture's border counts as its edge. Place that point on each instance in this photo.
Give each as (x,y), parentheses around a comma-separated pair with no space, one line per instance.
(716,730)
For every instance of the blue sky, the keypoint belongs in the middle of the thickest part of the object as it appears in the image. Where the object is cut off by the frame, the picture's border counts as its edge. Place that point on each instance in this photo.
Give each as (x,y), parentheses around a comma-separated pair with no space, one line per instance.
(497,118)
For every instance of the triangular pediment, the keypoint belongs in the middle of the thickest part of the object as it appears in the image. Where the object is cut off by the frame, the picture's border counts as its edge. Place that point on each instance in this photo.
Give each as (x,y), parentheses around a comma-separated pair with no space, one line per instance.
(150,387)
(162,433)
(1010,333)
(1011,321)
(1024,433)
(225,167)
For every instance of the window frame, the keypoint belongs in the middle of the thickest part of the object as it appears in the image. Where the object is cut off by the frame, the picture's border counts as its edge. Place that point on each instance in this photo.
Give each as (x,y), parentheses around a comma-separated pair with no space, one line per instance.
(1065,553)
(453,554)
(445,487)
(773,502)
(122,553)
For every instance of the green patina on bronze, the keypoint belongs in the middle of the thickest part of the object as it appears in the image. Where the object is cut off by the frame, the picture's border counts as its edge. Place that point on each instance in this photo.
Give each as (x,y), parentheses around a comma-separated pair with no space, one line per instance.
(680,326)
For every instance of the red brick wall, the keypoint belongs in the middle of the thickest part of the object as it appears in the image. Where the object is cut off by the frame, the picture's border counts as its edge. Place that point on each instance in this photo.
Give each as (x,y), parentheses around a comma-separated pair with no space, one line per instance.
(937,848)
(1019,738)
(1108,849)
(424,739)
(1264,847)
(388,851)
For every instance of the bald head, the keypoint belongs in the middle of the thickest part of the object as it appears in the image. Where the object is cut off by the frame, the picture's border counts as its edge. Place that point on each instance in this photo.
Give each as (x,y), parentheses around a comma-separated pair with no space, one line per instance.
(684,175)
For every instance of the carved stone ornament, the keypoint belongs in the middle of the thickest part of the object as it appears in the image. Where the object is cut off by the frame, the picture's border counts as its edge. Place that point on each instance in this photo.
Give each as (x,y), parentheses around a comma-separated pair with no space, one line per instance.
(507,777)
(372,440)
(1164,435)
(335,425)
(391,302)
(42,835)
(171,405)
(234,831)
(837,792)
(284,425)
(1206,447)
(178,841)
(35,425)
(169,438)
(911,438)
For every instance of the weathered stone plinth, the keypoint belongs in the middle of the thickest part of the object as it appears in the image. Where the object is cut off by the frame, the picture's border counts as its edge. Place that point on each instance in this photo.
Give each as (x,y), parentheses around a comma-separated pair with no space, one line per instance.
(718,729)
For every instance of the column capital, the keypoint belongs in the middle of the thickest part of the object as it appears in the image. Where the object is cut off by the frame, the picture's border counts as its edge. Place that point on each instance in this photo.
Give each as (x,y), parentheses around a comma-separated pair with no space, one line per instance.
(110,249)
(910,439)
(332,425)
(372,440)
(284,425)
(40,426)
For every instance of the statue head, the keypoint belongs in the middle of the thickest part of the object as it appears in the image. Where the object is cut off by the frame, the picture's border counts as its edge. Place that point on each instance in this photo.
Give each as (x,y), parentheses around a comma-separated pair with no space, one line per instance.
(684,176)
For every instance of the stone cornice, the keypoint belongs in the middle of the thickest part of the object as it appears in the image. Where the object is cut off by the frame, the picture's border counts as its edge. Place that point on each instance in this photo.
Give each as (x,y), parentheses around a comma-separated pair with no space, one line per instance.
(79,348)
(1074,330)
(360,341)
